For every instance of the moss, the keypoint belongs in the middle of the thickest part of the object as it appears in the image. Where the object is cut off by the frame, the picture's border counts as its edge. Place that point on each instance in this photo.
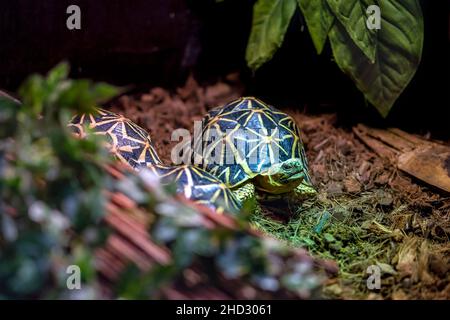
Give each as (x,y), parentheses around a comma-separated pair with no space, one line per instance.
(337,228)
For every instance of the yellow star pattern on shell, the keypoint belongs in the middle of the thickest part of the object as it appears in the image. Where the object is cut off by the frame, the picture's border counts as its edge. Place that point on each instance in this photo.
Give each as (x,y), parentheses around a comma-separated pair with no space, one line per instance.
(126,140)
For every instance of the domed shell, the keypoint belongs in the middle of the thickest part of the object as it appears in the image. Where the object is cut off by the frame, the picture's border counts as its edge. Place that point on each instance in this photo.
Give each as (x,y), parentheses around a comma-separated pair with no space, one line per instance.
(246,137)
(125,139)
(199,186)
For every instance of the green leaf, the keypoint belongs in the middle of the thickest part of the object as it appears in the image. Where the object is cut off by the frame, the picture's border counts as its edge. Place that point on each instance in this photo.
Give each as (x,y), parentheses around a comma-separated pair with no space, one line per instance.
(32,93)
(103,92)
(319,20)
(82,95)
(353,16)
(8,114)
(398,53)
(270,22)
(58,74)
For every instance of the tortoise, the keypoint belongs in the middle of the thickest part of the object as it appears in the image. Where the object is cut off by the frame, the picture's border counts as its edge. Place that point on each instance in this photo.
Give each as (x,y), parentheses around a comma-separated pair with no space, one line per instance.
(132,145)
(199,186)
(126,140)
(247,142)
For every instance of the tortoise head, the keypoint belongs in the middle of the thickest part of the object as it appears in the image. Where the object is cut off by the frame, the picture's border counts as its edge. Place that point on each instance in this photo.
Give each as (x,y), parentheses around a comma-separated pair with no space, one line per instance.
(283,177)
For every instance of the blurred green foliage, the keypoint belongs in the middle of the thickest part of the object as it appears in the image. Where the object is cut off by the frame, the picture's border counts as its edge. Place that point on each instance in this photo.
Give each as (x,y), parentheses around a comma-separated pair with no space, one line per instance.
(50,183)
(264,263)
(52,204)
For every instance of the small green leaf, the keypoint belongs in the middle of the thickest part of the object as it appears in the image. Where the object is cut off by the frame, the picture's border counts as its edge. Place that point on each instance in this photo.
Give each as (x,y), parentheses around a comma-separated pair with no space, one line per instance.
(82,95)
(58,74)
(398,53)
(102,92)
(329,237)
(386,268)
(319,20)
(32,94)
(353,16)
(271,19)
(8,114)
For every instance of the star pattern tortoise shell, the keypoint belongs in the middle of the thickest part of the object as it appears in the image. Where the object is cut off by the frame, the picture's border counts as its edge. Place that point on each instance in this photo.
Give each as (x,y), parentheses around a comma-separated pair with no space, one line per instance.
(126,140)
(264,136)
(197,184)
(132,145)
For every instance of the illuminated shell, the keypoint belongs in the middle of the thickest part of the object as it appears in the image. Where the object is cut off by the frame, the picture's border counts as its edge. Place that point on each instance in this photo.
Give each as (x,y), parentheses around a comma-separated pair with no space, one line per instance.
(199,186)
(254,134)
(126,140)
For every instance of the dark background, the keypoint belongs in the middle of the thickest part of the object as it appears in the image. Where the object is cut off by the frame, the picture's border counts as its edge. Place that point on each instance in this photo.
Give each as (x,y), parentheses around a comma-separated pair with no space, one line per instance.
(159,42)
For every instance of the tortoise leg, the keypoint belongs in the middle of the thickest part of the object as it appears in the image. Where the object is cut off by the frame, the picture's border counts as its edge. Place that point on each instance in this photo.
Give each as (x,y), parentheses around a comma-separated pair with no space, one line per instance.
(285,204)
(304,190)
(301,192)
(247,196)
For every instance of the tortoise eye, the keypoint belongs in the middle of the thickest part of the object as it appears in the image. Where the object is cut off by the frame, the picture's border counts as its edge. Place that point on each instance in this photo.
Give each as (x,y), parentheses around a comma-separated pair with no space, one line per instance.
(286,166)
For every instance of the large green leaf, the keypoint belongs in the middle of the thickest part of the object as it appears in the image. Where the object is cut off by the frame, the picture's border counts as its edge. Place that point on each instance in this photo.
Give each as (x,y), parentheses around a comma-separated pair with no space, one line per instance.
(353,16)
(270,21)
(319,20)
(398,53)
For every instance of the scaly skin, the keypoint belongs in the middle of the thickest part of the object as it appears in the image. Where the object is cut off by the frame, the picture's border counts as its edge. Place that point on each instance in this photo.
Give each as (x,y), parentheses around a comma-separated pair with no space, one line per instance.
(284,184)
(283,203)
(304,190)
(279,203)
(281,177)
(246,194)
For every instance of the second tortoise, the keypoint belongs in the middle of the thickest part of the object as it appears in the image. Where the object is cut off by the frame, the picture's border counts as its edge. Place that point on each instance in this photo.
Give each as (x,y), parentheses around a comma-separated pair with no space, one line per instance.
(133,146)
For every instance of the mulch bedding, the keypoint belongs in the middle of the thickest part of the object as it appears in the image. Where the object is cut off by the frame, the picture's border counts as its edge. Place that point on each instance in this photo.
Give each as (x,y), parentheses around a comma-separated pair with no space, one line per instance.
(386,218)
